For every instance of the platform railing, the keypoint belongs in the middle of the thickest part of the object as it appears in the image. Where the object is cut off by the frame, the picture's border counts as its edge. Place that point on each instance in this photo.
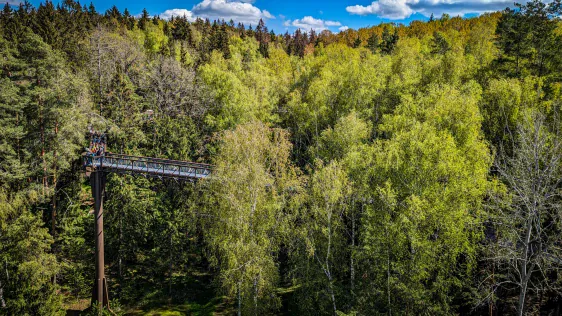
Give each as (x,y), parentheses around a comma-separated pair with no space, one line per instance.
(147,165)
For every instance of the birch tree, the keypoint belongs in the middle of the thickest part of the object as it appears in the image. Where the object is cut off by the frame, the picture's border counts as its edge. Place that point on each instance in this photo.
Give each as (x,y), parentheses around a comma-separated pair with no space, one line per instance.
(247,219)
(528,215)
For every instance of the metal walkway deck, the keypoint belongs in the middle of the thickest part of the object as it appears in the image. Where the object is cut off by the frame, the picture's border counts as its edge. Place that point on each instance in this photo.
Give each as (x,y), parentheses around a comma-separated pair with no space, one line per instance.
(148,166)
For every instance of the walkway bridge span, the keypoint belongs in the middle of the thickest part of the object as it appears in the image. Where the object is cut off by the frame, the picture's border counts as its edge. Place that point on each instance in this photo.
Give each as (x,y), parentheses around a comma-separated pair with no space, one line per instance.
(147,166)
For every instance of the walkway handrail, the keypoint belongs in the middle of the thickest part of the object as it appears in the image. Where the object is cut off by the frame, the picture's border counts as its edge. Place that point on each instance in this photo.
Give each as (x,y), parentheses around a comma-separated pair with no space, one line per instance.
(159,160)
(148,166)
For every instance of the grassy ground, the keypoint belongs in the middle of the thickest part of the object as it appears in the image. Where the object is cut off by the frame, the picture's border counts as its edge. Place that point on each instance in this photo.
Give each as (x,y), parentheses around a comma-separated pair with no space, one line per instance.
(216,306)
(192,294)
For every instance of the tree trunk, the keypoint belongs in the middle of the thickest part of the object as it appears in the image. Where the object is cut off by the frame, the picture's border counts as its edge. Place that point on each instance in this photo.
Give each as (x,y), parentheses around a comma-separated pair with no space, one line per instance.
(524,272)
(388,273)
(99,76)
(521,303)
(170,266)
(42,135)
(351,263)
(239,300)
(388,282)
(18,139)
(54,200)
(2,302)
(255,296)
(333,297)
(119,254)
(328,273)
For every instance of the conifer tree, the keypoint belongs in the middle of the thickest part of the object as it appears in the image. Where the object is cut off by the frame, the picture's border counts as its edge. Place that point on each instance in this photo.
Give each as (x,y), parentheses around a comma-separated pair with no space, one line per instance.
(143,21)
(373,43)
(357,43)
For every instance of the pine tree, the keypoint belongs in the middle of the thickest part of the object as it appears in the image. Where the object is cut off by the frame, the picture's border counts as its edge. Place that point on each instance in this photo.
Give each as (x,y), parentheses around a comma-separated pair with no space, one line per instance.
(26,286)
(46,24)
(143,21)
(223,41)
(439,45)
(13,168)
(262,36)
(113,13)
(357,43)
(373,43)
(388,40)
(528,40)
(250,31)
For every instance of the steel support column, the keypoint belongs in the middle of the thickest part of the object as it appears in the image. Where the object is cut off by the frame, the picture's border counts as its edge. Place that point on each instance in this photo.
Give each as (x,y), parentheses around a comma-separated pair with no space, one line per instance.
(99,294)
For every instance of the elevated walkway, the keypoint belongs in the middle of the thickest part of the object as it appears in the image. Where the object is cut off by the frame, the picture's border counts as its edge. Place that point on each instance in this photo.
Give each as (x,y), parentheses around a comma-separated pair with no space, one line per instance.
(147,166)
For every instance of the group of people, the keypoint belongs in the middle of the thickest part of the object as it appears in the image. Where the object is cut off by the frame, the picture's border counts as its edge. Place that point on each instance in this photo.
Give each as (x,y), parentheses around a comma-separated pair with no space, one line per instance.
(97,143)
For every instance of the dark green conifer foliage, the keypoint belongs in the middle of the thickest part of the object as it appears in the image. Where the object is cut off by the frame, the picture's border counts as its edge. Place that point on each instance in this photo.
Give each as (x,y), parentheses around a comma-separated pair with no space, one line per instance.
(527,37)
(357,43)
(439,45)
(389,40)
(373,43)
(143,20)
(46,24)
(262,36)
(28,269)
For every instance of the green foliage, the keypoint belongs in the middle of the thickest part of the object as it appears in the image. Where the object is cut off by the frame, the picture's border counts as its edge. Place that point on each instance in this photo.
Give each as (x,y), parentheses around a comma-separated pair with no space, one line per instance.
(431,177)
(248,212)
(528,39)
(318,260)
(349,180)
(28,267)
(440,44)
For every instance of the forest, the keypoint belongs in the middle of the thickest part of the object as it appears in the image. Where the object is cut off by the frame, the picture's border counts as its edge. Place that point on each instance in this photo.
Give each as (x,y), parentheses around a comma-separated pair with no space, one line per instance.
(390,170)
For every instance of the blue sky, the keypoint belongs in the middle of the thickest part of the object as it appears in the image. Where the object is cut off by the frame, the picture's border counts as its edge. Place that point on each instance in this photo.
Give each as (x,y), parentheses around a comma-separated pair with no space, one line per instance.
(288,15)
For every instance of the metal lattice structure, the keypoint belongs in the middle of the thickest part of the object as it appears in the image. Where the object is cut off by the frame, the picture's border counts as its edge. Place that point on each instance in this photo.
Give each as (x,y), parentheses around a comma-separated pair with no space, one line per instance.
(153,167)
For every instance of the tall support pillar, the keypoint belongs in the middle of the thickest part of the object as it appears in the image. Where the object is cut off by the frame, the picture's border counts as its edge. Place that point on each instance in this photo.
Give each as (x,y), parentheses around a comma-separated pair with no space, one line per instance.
(99,294)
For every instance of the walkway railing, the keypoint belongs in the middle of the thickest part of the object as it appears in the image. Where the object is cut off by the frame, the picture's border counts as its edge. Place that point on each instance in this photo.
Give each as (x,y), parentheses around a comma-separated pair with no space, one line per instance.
(147,166)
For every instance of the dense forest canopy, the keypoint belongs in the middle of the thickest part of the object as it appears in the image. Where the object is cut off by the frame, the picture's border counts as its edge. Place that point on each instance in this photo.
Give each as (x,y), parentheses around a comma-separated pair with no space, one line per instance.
(395,169)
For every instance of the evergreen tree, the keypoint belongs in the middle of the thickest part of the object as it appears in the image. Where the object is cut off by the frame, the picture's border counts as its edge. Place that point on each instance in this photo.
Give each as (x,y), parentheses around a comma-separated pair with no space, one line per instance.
(528,39)
(440,45)
(357,43)
(143,21)
(26,281)
(373,43)
(389,40)
(262,36)
(46,24)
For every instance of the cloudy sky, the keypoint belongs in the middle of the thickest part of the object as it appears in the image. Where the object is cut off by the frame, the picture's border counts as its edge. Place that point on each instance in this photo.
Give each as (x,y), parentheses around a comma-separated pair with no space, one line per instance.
(288,15)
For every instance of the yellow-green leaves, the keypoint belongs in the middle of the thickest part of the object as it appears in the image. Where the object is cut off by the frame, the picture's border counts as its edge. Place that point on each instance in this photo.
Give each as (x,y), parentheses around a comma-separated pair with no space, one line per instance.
(251,189)
(243,87)
(431,177)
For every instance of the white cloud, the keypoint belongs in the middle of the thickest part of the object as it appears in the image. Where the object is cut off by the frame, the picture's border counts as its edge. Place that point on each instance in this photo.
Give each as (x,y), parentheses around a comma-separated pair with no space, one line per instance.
(309,23)
(168,14)
(344,28)
(332,23)
(11,2)
(400,9)
(240,11)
